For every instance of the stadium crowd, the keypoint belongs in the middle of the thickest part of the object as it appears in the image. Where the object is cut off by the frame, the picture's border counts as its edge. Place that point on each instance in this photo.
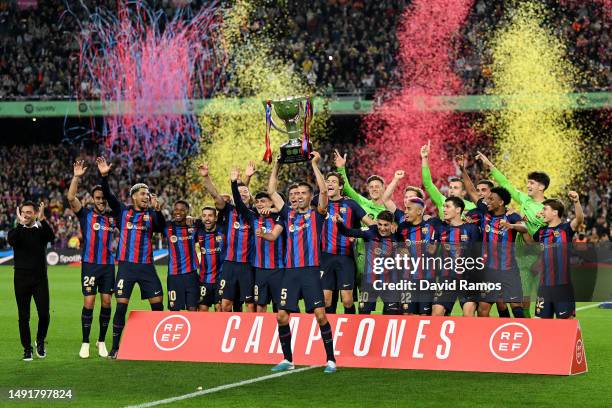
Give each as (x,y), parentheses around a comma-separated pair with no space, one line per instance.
(48,177)
(341,46)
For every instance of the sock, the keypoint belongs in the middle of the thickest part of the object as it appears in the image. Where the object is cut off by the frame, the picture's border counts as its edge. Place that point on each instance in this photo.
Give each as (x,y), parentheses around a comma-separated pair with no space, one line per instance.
(158,307)
(86,318)
(105,314)
(330,310)
(328,341)
(118,323)
(503,313)
(284,335)
(349,310)
(518,312)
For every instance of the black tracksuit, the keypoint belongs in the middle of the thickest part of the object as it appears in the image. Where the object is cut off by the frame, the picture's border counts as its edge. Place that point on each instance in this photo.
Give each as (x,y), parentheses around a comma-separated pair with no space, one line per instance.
(29,245)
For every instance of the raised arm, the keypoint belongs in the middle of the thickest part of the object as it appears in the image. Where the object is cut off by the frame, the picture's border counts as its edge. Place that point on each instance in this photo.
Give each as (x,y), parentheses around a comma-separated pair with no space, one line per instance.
(500,179)
(240,206)
(249,172)
(78,172)
(104,169)
(389,203)
(323,199)
(347,190)
(436,196)
(467,181)
(579,218)
(272,186)
(210,186)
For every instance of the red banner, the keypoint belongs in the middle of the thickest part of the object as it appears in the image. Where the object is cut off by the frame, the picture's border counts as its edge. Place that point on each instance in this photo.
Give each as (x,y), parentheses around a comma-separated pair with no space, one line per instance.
(535,346)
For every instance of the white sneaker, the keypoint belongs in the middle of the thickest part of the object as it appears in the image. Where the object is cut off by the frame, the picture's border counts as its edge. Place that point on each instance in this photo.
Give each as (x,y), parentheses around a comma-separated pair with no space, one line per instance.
(102,352)
(84,353)
(330,367)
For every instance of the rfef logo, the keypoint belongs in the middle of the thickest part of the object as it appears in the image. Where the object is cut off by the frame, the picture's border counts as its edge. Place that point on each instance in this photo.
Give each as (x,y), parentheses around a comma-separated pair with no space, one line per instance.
(171,332)
(579,351)
(510,342)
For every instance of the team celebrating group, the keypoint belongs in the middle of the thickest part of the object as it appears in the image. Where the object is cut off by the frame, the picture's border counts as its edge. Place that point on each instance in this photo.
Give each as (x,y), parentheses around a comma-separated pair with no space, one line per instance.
(249,251)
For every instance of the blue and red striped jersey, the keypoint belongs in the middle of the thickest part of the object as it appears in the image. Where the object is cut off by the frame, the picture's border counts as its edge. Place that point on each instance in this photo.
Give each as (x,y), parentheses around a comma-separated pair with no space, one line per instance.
(97,230)
(135,235)
(331,240)
(417,239)
(456,242)
(268,254)
(212,245)
(181,249)
(498,244)
(303,237)
(239,235)
(555,243)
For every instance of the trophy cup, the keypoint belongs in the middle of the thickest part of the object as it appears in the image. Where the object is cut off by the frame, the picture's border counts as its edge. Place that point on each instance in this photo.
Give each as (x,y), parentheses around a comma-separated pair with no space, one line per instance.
(296,114)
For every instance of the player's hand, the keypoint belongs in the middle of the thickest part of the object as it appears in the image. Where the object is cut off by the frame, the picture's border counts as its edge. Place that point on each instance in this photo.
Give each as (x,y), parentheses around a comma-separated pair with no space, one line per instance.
(394,227)
(460,159)
(190,221)
(259,232)
(103,167)
(485,161)
(41,211)
(505,225)
(337,219)
(425,149)
(203,169)
(234,174)
(250,169)
(265,211)
(316,157)
(510,211)
(20,217)
(399,174)
(156,203)
(339,160)
(79,168)
(573,196)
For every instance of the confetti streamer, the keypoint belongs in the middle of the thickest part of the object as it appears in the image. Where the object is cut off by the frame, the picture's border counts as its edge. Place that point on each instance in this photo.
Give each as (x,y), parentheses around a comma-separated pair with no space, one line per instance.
(397,128)
(147,66)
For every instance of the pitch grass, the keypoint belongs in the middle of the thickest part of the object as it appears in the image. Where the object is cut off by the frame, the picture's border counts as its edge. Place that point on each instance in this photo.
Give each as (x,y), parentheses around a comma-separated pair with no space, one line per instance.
(99,382)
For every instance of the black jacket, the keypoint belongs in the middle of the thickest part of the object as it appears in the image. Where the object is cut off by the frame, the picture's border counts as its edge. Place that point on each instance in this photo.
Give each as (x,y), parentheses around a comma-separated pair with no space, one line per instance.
(29,245)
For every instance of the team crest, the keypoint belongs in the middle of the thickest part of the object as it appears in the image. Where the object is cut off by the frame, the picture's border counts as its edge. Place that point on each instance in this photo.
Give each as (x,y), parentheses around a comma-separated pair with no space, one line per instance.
(487,228)
(283,303)
(377,251)
(292,228)
(264,230)
(326,216)
(130,225)
(464,237)
(120,292)
(342,210)
(307,216)
(111,220)
(556,234)
(88,289)
(218,238)
(203,251)
(146,217)
(447,247)
(96,226)
(424,230)
(190,230)
(405,305)
(173,239)
(171,304)
(408,242)
(236,225)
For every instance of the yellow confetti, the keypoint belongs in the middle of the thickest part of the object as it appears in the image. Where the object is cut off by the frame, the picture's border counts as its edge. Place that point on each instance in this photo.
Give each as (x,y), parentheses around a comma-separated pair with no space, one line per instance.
(529,62)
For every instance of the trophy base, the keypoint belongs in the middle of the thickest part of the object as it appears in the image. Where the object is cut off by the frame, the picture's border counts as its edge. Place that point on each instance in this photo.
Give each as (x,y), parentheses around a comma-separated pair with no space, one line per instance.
(291,152)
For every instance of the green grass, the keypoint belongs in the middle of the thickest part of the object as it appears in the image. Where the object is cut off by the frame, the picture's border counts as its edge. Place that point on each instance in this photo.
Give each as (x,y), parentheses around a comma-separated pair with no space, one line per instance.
(98,381)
